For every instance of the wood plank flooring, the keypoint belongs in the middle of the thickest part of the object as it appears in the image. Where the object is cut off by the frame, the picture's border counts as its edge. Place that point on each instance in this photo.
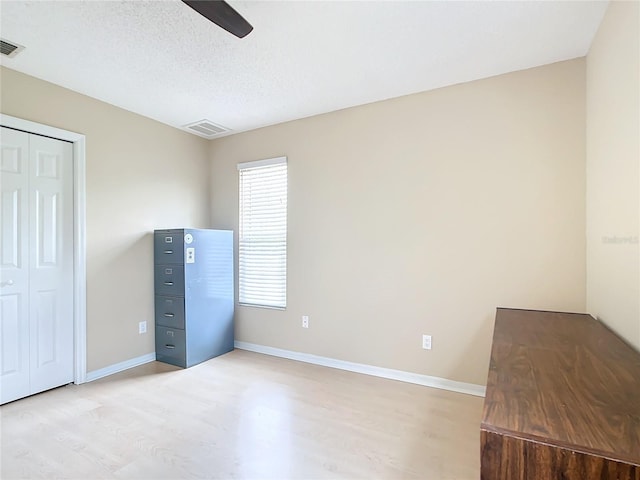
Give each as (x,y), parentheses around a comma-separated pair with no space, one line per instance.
(242,416)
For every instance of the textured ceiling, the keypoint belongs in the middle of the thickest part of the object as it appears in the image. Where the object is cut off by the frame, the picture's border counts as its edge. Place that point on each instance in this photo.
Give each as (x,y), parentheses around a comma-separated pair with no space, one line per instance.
(163,60)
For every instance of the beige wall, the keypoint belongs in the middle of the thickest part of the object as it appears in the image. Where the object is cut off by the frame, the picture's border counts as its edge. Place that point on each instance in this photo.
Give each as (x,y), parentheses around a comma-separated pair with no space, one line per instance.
(613,171)
(415,215)
(422,214)
(141,175)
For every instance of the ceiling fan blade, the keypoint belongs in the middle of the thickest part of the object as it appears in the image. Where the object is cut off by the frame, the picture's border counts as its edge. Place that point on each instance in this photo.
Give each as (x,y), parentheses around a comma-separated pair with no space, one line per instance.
(223,15)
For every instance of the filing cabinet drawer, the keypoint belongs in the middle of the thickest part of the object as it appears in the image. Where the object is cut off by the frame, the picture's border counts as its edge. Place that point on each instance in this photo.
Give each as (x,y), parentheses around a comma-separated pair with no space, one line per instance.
(170,346)
(170,311)
(169,280)
(168,248)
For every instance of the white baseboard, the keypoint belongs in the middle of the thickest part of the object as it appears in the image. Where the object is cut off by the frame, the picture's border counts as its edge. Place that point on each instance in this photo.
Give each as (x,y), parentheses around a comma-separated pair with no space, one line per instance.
(119,367)
(425,380)
(409,377)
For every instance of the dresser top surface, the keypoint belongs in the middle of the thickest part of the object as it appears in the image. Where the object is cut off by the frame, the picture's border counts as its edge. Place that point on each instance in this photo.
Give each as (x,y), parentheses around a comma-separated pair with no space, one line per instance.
(564,379)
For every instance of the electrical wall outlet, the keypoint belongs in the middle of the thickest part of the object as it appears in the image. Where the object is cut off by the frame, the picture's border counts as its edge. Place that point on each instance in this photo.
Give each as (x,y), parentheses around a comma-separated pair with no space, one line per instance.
(305,321)
(426,342)
(142,327)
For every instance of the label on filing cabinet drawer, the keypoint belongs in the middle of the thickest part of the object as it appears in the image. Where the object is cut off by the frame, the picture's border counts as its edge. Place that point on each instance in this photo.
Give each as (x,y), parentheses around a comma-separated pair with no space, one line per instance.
(191,255)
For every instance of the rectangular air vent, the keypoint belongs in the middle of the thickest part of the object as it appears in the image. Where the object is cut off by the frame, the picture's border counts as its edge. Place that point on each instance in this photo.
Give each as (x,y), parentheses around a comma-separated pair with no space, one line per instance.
(10,49)
(206,129)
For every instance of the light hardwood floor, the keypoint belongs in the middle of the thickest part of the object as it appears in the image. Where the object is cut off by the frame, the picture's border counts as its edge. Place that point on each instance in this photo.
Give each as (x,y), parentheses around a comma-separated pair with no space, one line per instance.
(242,415)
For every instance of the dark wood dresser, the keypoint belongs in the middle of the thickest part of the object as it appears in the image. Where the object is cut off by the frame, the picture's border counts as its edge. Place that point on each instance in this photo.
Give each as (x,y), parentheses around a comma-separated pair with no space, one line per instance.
(562,401)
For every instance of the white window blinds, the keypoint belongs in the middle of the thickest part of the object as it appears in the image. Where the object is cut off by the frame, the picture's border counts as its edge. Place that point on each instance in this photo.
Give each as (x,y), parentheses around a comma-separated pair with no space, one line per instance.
(262,250)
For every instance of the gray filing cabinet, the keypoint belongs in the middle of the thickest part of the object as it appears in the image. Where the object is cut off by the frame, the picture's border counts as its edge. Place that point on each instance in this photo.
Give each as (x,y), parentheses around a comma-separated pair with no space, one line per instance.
(193,277)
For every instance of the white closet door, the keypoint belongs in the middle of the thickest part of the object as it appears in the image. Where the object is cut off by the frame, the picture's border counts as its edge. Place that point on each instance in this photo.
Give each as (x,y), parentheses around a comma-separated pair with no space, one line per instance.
(14,265)
(51,262)
(41,232)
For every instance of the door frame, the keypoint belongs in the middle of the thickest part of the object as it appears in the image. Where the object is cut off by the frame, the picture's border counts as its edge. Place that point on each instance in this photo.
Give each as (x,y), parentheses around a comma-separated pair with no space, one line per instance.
(79,234)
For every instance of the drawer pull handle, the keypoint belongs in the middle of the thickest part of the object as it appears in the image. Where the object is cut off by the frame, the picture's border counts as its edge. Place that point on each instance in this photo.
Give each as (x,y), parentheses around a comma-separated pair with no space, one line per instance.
(169,315)
(168,252)
(170,346)
(168,283)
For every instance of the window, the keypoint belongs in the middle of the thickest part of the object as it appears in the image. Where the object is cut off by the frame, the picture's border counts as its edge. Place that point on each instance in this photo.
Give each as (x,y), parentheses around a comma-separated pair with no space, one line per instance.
(262,251)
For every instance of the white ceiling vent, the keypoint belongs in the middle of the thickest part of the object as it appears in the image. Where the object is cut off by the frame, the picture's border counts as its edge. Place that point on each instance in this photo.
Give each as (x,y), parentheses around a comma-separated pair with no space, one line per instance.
(206,129)
(9,49)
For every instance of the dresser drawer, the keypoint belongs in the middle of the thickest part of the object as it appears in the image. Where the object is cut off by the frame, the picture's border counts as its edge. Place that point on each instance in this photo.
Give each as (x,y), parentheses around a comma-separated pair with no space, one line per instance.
(170,346)
(168,248)
(169,280)
(170,311)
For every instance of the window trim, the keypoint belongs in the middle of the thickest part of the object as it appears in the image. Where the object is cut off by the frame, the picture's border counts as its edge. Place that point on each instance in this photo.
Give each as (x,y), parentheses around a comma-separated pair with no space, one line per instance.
(267,162)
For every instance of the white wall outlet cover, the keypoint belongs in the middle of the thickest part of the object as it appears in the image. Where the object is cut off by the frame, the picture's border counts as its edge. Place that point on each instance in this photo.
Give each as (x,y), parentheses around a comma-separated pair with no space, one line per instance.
(426,342)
